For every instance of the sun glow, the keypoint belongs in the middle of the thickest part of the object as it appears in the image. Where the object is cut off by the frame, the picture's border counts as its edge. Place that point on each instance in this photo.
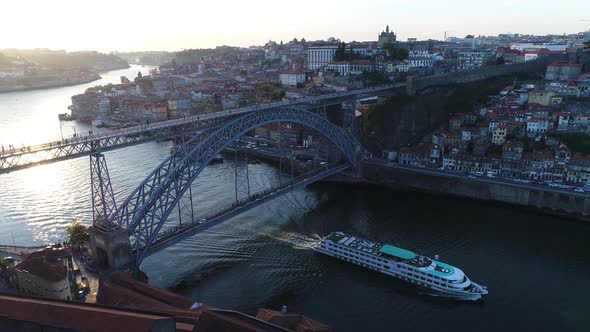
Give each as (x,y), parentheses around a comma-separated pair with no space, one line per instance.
(176,24)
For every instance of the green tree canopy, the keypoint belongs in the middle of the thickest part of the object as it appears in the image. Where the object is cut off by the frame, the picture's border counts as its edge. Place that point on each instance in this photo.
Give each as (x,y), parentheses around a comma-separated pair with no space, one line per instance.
(340,54)
(469,37)
(3,264)
(394,52)
(374,78)
(78,233)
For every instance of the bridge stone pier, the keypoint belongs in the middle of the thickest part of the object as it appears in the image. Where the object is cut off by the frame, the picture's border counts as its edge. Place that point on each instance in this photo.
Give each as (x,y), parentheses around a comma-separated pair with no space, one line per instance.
(111,250)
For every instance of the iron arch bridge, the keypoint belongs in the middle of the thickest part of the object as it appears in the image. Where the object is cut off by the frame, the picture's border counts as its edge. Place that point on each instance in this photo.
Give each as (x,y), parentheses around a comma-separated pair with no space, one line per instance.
(148,207)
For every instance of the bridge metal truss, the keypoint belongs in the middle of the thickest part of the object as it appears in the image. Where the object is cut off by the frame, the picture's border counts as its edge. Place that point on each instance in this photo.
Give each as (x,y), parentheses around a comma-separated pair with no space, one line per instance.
(103,199)
(173,235)
(145,211)
(27,156)
(86,145)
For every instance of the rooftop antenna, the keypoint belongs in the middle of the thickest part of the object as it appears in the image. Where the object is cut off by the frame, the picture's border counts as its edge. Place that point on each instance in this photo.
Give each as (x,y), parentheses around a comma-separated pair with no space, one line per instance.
(446,34)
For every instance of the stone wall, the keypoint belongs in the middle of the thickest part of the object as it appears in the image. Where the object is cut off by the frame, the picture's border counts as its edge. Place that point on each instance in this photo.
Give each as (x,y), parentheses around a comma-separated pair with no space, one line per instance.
(571,205)
(419,83)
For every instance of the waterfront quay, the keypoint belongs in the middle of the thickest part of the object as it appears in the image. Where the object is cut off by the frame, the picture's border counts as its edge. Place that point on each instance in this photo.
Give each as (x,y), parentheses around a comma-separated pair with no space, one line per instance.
(554,200)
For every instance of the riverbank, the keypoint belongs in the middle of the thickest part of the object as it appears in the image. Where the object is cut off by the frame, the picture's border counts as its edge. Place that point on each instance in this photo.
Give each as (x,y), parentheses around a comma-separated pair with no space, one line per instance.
(35,83)
(53,83)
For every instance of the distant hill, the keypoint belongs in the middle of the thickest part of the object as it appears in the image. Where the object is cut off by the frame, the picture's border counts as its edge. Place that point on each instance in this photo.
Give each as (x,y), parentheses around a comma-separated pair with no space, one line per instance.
(62,60)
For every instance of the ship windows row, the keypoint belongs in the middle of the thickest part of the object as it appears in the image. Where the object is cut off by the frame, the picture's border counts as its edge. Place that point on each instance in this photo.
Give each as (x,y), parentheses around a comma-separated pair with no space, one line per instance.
(343,248)
(421,273)
(357,257)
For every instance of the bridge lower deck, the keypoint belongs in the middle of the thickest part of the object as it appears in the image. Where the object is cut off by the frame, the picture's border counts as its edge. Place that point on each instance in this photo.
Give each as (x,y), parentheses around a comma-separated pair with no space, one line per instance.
(173,235)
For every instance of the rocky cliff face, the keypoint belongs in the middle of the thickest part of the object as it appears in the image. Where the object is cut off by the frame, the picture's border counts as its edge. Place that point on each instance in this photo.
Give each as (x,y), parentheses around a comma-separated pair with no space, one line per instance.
(403,120)
(406,119)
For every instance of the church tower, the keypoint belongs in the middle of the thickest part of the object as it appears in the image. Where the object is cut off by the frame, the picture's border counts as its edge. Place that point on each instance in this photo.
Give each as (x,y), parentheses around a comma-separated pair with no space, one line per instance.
(387,36)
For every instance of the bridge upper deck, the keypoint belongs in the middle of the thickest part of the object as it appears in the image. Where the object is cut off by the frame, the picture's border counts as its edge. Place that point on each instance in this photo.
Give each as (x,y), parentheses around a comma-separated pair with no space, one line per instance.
(79,146)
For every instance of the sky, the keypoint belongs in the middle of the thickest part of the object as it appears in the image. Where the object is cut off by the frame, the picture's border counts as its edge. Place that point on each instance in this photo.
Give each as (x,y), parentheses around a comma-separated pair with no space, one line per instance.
(171,25)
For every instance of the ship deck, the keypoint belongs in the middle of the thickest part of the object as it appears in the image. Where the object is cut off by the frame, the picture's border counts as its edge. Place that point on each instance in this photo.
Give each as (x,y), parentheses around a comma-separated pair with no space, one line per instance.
(355,243)
(378,249)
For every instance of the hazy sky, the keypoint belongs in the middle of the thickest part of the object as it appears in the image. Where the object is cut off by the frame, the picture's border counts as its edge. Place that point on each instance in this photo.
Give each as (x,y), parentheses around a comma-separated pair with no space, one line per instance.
(126,25)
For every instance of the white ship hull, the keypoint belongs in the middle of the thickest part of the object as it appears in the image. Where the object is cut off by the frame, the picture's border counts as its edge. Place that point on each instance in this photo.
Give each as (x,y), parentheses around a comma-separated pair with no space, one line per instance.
(456,286)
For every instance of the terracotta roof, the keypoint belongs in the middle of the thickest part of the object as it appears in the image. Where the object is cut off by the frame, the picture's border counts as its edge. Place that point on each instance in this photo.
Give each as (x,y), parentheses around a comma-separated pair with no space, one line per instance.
(423,149)
(293,72)
(580,157)
(164,296)
(119,296)
(539,156)
(533,120)
(46,264)
(49,253)
(232,321)
(81,316)
(291,321)
(48,269)
(565,64)
(516,123)
(507,50)
(513,144)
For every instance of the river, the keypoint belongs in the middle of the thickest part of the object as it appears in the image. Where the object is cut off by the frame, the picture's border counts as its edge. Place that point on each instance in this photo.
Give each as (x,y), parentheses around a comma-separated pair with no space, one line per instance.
(535,266)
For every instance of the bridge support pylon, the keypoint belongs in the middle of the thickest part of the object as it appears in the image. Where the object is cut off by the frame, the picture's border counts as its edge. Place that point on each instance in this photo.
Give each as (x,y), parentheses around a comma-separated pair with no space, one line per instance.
(109,243)
(111,250)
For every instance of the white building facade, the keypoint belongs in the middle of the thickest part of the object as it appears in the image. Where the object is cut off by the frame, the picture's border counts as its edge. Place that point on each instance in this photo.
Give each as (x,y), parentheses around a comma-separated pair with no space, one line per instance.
(292,78)
(320,56)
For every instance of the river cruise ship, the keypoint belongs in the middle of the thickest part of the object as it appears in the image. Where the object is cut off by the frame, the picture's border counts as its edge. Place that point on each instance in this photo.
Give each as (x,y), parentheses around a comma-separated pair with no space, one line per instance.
(440,278)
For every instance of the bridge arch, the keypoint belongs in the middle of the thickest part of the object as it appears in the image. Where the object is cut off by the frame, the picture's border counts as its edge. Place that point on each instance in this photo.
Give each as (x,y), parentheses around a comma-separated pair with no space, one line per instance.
(146,210)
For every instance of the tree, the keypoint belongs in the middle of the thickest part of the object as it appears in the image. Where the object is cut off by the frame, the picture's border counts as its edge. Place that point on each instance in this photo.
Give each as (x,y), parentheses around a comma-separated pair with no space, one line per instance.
(374,78)
(394,52)
(139,75)
(78,233)
(340,54)
(469,37)
(3,264)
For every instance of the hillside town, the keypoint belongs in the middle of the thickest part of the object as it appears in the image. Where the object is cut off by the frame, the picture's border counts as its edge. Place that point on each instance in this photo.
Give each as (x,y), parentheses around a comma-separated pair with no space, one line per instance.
(204,81)
(535,132)
(530,131)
